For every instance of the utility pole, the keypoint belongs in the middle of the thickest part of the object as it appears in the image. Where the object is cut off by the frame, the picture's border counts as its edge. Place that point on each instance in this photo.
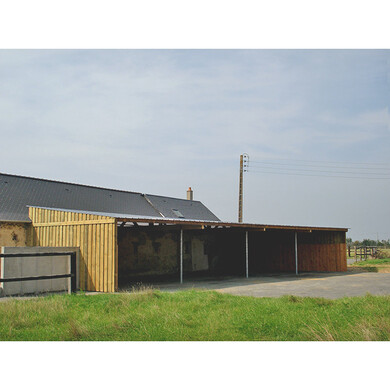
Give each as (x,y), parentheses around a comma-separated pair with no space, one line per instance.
(244,160)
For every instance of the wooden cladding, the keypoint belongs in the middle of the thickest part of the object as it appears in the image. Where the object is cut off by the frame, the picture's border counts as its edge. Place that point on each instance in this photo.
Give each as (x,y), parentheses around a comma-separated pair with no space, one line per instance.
(95,235)
(321,251)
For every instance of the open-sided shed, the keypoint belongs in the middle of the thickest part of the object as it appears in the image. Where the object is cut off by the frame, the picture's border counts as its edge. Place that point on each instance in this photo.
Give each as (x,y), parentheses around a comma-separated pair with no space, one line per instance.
(116,249)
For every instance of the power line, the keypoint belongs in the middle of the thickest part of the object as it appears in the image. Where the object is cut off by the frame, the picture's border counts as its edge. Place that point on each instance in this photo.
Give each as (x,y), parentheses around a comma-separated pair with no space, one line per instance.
(315,166)
(331,162)
(321,171)
(303,174)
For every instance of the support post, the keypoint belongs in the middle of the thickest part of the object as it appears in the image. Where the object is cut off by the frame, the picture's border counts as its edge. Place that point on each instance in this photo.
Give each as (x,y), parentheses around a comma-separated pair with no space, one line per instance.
(73,272)
(246,255)
(296,253)
(181,255)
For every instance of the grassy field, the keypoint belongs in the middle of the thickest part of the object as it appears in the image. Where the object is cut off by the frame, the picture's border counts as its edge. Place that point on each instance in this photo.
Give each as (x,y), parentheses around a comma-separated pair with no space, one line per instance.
(194,315)
(373,265)
(373,262)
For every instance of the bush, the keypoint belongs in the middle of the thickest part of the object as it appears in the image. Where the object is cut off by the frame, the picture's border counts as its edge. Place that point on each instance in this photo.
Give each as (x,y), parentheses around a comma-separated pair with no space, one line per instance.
(382,254)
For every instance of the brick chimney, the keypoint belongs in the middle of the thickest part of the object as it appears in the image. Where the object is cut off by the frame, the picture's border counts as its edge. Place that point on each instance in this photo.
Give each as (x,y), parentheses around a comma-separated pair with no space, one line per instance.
(190,194)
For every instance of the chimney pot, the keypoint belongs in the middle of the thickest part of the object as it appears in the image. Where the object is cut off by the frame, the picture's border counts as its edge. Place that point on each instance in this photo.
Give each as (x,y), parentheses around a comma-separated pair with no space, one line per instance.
(190,194)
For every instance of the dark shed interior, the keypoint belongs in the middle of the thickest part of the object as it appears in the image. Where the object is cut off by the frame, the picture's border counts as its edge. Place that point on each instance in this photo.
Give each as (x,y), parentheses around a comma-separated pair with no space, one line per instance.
(152,253)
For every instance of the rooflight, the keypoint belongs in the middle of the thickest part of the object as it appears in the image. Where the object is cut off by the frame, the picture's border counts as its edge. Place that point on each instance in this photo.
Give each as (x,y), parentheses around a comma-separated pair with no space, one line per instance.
(178,213)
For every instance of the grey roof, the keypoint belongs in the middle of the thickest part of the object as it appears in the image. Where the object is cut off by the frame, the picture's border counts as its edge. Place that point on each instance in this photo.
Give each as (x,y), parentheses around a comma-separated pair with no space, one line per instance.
(190,209)
(17,192)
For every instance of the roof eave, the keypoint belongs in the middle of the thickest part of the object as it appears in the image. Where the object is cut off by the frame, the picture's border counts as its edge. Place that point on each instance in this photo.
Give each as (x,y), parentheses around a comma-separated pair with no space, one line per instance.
(251,226)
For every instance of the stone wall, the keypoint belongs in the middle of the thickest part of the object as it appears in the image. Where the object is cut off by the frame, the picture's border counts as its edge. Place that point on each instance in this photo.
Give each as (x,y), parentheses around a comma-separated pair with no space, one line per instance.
(15,234)
(145,252)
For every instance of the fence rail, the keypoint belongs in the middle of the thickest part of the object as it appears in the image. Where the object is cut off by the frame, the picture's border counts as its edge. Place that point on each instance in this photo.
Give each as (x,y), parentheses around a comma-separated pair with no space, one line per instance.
(361,252)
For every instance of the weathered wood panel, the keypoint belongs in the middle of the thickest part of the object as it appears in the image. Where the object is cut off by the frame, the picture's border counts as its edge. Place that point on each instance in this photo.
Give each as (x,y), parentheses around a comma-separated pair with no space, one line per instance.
(274,251)
(322,251)
(95,235)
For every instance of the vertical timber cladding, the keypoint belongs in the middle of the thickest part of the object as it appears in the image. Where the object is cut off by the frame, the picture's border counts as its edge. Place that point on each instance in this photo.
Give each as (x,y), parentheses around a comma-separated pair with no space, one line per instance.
(95,235)
(319,250)
(322,251)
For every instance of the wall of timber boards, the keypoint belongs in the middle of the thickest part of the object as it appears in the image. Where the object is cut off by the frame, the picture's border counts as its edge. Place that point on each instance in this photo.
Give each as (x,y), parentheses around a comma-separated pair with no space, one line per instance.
(95,235)
(274,251)
(322,251)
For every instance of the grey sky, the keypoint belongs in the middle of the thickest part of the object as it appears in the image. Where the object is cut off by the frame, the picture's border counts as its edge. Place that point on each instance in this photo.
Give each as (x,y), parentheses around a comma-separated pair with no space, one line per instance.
(159,121)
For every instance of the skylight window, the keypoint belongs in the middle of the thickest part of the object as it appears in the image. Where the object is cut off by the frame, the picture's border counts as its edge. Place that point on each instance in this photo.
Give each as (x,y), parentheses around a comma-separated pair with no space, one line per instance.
(177,213)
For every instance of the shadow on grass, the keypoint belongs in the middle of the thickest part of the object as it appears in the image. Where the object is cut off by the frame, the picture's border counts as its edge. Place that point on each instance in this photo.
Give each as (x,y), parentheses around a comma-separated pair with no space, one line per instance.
(370,269)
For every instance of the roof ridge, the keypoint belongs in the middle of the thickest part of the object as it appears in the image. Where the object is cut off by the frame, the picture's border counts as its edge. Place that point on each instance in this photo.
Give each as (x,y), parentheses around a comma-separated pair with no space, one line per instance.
(88,185)
(172,197)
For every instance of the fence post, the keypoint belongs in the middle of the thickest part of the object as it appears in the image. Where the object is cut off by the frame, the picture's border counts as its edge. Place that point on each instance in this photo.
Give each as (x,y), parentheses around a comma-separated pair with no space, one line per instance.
(73,271)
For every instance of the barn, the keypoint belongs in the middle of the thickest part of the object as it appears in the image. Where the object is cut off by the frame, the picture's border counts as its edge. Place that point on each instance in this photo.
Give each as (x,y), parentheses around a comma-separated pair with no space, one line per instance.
(127,237)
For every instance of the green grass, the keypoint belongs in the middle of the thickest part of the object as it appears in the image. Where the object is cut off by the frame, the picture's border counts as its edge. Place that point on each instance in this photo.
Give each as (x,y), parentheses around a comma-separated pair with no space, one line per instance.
(373,265)
(372,262)
(194,315)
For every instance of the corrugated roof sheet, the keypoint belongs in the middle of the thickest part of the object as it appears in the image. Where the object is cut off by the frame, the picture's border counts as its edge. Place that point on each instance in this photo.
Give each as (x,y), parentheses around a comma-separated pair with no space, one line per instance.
(178,221)
(16,192)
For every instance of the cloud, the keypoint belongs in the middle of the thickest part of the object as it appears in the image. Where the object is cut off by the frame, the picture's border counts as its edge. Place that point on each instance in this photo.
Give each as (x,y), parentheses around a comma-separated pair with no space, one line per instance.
(158,121)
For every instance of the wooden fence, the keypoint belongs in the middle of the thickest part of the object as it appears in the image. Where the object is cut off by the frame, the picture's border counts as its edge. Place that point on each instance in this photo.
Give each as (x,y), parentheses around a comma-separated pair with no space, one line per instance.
(361,252)
(95,235)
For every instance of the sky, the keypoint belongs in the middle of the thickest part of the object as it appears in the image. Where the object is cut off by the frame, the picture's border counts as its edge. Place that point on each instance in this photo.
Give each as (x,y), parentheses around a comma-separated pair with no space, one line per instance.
(159,121)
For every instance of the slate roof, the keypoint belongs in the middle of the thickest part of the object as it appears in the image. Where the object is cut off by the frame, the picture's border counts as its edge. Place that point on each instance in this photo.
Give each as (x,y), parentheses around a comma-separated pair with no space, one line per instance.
(190,209)
(16,192)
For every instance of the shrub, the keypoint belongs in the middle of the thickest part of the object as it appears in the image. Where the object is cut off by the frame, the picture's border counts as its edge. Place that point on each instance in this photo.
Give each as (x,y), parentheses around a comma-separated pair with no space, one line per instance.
(382,254)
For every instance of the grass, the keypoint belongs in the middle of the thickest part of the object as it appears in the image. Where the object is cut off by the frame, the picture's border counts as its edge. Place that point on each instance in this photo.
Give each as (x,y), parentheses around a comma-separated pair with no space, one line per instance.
(373,265)
(372,262)
(194,315)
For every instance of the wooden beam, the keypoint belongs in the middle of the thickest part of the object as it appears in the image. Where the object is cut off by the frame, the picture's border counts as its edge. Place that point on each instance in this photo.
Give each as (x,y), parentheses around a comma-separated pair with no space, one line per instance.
(70,223)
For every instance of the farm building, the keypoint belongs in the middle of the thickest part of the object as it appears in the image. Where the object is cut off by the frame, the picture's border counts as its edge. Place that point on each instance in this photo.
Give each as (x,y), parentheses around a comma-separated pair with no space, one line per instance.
(127,237)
